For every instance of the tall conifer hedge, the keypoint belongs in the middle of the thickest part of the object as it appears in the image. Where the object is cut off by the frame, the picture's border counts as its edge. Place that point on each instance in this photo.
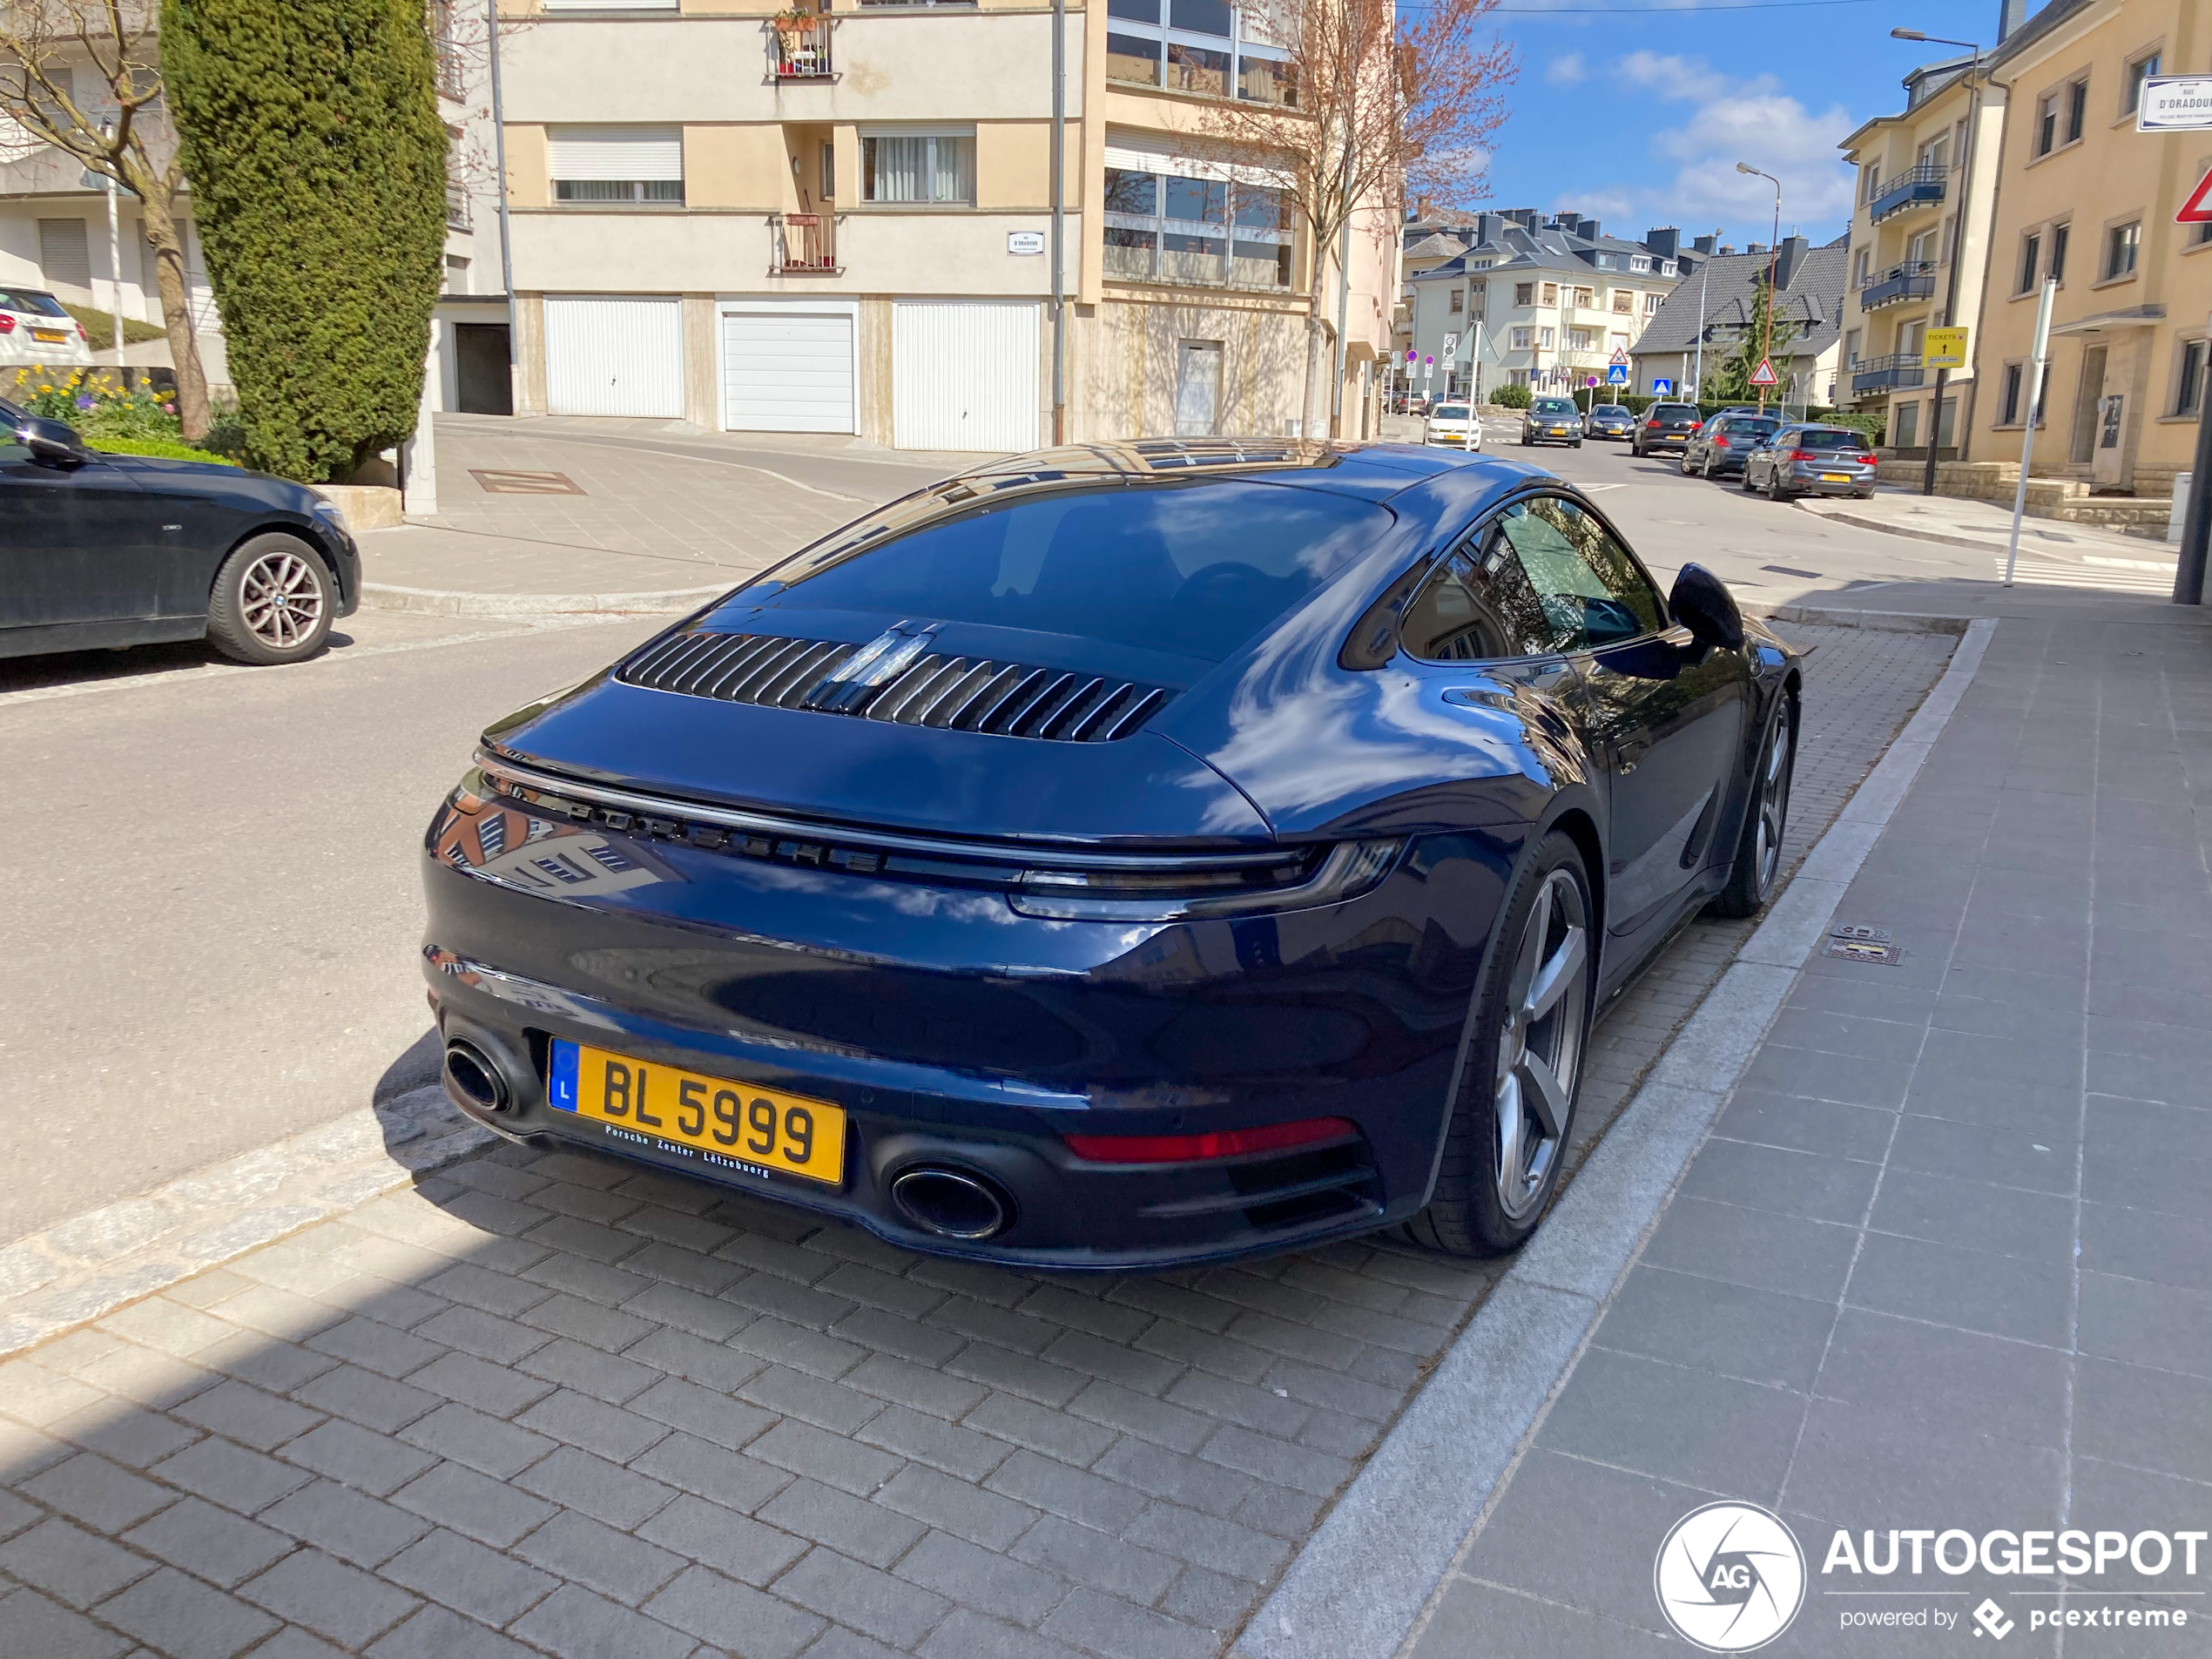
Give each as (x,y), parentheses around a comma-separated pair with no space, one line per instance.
(317,161)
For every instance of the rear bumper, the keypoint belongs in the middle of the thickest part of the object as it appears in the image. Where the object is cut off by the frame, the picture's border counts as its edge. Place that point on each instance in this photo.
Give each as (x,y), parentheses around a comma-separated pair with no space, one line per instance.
(1650,441)
(876,996)
(1811,483)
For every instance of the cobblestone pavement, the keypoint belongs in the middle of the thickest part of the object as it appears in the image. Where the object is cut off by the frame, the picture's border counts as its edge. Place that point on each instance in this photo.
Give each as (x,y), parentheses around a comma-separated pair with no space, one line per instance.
(545,1403)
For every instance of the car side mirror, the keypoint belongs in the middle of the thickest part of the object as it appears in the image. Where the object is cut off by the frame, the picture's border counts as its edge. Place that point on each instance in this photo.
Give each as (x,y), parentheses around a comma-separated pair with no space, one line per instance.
(1702,603)
(54,440)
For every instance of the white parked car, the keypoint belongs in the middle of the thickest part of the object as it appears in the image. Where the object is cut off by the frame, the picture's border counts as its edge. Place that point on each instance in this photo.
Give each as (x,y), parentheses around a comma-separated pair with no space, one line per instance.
(1456,424)
(35,329)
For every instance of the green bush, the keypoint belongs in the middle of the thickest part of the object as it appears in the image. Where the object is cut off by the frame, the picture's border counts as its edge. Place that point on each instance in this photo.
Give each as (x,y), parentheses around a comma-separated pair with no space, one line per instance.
(1510,396)
(311,137)
(161,448)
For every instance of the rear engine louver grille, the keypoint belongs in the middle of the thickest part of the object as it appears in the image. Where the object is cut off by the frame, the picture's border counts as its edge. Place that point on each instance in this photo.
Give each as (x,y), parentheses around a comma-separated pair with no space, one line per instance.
(954,693)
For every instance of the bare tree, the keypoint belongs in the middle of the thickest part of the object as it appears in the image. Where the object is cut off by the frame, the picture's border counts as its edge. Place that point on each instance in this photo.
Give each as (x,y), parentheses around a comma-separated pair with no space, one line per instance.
(85,75)
(1371,101)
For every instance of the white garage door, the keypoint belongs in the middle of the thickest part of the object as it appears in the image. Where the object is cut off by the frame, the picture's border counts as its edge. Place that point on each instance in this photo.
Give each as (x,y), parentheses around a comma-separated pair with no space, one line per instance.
(964,375)
(786,372)
(608,356)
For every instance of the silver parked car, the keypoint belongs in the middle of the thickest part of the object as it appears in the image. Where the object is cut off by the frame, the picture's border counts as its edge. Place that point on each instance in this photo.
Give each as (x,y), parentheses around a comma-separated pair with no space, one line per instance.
(1812,461)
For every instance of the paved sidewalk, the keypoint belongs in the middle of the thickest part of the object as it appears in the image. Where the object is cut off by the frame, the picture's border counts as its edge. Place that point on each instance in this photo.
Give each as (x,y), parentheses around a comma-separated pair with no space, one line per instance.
(547,1404)
(2051,552)
(1945,1260)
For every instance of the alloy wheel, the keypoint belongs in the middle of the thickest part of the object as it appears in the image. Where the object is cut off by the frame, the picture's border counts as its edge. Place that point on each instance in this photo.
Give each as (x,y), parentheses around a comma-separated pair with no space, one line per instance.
(280,599)
(1774,807)
(1539,1045)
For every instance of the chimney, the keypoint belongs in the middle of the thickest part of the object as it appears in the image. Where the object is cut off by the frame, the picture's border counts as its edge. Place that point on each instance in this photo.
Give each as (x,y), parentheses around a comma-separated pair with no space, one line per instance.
(1704,244)
(1483,224)
(2011,14)
(1664,244)
(1588,231)
(1789,261)
(1751,247)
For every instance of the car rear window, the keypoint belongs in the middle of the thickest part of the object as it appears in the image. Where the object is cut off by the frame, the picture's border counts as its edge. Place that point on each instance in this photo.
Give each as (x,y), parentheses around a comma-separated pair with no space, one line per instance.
(1672,411)
(1196,569)
(1752,425)
(1554,406)
(1829,438)
(42,305)
(1609,408)
(1450,412)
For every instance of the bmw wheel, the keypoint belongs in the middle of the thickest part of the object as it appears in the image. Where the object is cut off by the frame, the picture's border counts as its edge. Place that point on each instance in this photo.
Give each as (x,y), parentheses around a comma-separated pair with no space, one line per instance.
(274,601)
(1710,473)
(1685,467)
(1774,490)
(1766,819)
(1507,1139)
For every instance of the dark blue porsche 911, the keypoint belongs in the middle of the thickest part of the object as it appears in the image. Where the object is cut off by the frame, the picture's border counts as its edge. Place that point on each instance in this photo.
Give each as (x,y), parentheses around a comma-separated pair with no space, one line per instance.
(1125,855)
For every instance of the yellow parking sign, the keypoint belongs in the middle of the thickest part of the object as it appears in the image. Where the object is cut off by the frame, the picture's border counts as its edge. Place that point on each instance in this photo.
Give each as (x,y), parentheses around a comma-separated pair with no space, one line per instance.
(1943,348)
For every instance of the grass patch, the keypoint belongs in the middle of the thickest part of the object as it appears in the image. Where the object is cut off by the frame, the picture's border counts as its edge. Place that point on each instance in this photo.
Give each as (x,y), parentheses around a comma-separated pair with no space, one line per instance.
(100,325)
(161,448)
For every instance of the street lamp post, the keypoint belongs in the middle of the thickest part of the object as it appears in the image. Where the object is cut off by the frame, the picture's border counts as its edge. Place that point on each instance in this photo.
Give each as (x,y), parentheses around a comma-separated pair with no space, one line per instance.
(1704,283)
(1958,233)
(1773,248)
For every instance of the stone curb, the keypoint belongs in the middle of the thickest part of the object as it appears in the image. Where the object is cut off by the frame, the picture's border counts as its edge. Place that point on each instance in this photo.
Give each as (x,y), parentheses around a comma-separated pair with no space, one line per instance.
(440,602)
(1973,543)
(1892,622)
(87,1266)
(1363,1580)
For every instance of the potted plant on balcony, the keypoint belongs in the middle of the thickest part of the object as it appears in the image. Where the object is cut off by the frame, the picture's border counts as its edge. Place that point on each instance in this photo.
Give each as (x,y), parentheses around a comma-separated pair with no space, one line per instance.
(792,25)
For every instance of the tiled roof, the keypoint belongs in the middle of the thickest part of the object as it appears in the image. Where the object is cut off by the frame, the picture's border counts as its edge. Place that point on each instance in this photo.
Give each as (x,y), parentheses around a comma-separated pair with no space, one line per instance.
(1813,299)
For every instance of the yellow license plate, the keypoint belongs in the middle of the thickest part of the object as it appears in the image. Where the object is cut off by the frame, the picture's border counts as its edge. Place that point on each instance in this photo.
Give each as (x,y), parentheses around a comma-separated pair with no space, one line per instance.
(1835,477)
(48,336)
(725,1123)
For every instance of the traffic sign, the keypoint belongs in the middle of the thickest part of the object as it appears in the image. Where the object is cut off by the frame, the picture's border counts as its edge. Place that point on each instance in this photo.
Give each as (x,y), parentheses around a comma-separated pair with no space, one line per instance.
(1660,387)
(1589,380)
(2197,210)
(1617,375)
(1763,375)
(1943,348)
(1620,358)
(1451,347)
(2174,103)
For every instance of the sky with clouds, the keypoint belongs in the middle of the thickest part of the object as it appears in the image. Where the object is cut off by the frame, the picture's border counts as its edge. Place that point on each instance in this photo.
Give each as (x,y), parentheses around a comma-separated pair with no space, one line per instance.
(1636,114)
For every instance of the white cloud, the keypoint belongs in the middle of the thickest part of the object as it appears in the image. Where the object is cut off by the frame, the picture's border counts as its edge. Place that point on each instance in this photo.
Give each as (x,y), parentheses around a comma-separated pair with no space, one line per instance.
(1569,70)
(1673,76)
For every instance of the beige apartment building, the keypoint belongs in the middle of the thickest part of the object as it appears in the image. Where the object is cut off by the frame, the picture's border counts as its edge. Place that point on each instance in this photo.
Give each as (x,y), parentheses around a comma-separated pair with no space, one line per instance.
(1919,242)
(2084,197)
(840,221)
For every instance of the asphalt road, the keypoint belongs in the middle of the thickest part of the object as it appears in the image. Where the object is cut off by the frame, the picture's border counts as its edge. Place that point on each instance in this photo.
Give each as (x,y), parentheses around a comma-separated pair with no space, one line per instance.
(214,911)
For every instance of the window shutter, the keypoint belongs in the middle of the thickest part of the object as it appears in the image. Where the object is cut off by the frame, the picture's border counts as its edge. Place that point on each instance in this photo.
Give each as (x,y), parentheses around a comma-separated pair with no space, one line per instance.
(615,152)
(64,253)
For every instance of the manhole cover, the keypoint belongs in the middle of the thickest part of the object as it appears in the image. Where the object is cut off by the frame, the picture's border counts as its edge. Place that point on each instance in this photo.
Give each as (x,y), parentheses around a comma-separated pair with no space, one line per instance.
(497,482)
(1855,942)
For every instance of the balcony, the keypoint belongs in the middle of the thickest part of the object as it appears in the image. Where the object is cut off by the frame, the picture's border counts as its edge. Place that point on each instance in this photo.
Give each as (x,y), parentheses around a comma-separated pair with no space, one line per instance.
(803,245)
(802,48)
(1887,374)
(1921,187)
(1914,280)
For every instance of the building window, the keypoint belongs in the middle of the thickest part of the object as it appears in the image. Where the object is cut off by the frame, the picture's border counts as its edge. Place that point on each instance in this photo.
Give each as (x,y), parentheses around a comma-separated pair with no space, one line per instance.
(456,274)
(1544,338)
(1196,46)
(1668,268)
(1851,348)
(1179,229)
(1459,302)
(2031,261)
(604,165)
(1904,425)
(2077,110)
(1624,300)
(1524,294)
(2122,243)
(2131,93)
(1651,302)
(936,168)
(1585,298)
(2058,234)
(1936,153)
(1522,339)
(451,84)
(1581,339)
(2008,400)
(1640,263)
(1873,181)
(1551,294)
(2189,377)
(1858,269)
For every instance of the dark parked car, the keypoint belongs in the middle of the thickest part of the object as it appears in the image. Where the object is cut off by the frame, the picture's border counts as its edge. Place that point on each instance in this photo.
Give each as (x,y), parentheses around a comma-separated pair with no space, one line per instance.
(1118,856)
(110,550)
(1611,421)
(1665,425)
(1718,447)
(1812,460)
(1552,420)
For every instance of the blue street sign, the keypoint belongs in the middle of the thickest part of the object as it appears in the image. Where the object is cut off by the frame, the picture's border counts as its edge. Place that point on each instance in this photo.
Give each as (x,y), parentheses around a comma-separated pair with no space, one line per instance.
(1662,387)
(1616,375)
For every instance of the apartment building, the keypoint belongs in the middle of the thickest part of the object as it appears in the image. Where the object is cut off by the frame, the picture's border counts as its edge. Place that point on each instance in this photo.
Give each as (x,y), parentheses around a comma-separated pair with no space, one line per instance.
(54,232)
(2083,197)
(821,221)
(1537,302)
(1919,246)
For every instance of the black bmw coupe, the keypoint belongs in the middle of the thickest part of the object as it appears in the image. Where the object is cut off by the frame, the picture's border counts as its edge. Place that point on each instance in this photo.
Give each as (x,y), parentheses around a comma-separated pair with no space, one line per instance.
(1120,856)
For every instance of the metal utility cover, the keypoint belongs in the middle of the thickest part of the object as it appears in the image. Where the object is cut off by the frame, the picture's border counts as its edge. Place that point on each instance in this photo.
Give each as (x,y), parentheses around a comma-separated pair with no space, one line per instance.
(1855,942)
(506,482)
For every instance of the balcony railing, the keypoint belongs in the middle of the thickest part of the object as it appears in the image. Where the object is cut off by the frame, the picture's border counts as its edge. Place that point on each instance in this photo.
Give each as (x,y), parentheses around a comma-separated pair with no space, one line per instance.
(802,49)
(1914,280)
(457,217)
(1916,188)
(803,245)
(1887,374)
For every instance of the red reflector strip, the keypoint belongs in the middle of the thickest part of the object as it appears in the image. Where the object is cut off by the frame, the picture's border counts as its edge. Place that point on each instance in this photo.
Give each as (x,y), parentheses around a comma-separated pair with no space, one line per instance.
(1221,1143)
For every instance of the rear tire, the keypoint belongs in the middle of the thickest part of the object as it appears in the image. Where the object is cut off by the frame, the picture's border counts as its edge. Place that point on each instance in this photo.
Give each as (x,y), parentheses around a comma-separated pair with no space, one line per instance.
(1766,819)
(1774,489)
(272,601)
(1684,468)
(1507,1138)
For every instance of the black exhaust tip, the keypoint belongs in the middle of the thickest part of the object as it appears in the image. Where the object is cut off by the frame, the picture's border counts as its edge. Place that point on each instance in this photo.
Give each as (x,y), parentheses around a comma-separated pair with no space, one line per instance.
(474,1076)
(951,1203)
